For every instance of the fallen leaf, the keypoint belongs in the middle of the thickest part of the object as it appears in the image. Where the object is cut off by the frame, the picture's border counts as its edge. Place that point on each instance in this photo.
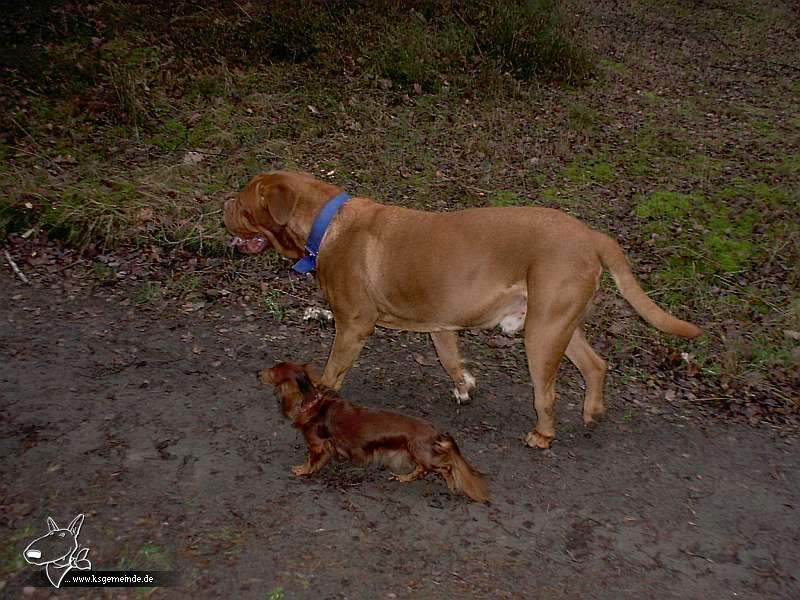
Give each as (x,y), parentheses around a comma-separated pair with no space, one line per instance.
(192,158)
(317,314)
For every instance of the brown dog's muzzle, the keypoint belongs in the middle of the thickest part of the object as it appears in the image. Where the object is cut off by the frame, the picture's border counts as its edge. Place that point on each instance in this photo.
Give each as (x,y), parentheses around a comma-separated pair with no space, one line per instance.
(243,240)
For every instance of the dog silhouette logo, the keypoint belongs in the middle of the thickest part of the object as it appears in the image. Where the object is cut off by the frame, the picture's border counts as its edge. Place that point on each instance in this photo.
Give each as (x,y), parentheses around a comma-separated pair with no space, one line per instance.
(58,551)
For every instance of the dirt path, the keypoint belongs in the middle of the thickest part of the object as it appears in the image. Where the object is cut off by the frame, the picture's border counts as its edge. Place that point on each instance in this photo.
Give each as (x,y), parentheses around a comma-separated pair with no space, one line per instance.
(153,425)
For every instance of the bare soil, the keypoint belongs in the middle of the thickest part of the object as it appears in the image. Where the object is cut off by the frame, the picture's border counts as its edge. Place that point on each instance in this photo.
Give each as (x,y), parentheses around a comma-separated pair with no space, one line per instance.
(148,418)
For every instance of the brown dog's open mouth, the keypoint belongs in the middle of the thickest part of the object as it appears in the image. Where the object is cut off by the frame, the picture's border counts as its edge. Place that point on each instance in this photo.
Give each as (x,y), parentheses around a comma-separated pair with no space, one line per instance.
(251,245)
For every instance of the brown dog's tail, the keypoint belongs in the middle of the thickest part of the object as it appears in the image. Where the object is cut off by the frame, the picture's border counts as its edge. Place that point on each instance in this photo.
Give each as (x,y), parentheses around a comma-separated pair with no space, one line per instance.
(613,258)
(462,476)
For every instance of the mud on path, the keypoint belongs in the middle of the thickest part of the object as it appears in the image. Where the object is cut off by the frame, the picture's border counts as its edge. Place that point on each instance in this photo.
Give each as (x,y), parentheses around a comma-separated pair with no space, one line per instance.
(154,426)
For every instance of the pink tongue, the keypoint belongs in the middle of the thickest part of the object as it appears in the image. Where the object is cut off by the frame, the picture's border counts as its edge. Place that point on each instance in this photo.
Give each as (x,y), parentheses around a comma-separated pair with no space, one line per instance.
(254,245)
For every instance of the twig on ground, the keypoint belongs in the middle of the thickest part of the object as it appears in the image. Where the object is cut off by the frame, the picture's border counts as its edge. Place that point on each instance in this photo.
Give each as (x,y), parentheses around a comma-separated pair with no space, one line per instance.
(15,268)
(692,554)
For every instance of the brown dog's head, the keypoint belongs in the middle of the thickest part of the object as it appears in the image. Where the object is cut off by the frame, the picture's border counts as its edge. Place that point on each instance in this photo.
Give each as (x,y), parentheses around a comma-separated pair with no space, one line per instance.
(292,382)
(276,210)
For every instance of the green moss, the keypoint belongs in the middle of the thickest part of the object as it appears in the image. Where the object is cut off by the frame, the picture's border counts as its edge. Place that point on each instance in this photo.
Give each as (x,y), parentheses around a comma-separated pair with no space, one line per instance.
(173,135)
(635,163)
(659,141)
(665,205)
(589,170)
(771,194)
(505,199)
(702,233)
(728,253)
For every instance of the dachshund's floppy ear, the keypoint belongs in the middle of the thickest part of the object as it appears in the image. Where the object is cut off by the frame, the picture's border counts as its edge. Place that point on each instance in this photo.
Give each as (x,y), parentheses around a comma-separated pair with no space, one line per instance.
(303,382)
(278,199)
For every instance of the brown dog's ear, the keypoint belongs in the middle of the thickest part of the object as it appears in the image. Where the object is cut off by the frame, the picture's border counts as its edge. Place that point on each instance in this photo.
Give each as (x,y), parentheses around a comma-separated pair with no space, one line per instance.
(278,199)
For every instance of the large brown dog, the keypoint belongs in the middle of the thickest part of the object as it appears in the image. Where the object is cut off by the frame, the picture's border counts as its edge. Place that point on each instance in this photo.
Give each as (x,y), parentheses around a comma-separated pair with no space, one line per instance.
(333,426)
(441,272)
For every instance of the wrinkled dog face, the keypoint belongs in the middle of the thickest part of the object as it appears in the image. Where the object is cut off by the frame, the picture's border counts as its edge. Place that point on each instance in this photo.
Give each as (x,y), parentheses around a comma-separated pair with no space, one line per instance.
(257,216)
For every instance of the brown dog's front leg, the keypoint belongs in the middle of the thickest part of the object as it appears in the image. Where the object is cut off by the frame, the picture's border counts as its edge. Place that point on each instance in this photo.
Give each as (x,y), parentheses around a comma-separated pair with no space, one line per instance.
(319,453)
(347,344)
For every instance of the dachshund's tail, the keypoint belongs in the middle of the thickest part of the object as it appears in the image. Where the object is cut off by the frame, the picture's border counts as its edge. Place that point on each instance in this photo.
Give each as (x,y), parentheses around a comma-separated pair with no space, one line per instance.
(460,475)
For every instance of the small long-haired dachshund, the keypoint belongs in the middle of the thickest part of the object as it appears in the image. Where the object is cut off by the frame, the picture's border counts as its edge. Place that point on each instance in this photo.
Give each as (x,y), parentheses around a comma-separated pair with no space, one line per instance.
(409,446)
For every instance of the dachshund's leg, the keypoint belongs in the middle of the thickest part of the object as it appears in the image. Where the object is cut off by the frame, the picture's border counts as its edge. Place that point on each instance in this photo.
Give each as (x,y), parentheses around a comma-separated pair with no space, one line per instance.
(319,453)
(419,471)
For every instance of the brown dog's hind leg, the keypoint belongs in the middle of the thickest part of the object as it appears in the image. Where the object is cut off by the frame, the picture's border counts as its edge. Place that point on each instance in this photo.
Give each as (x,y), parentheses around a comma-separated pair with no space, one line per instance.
(593,369)
(347,344)
(446,344)
(553,315)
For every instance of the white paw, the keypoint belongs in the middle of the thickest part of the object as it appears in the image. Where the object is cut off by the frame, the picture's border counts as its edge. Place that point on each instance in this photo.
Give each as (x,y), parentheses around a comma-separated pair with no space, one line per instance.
(469,380)
(463,387)
(461,396)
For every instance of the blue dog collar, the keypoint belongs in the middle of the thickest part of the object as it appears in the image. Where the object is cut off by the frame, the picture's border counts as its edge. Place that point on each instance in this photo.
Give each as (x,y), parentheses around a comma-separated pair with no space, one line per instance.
(309,262)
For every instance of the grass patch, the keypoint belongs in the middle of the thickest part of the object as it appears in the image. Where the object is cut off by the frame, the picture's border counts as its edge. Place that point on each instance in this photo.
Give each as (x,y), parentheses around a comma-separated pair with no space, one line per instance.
(612,66)
(585,119)
(275,594)
(273,305)
(706,236)
(530,39)
(173,135)
(767,352)
(11,559)
(589,170)
(150,291)
(505,198)
(149,557)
